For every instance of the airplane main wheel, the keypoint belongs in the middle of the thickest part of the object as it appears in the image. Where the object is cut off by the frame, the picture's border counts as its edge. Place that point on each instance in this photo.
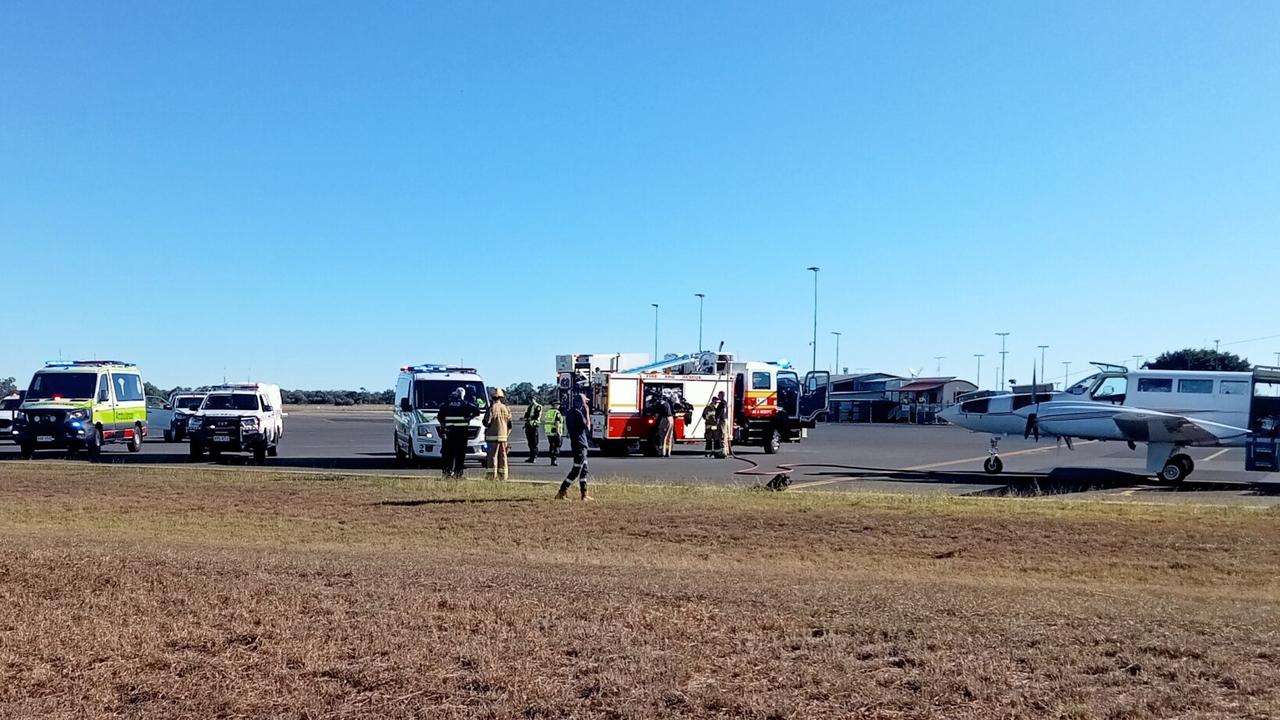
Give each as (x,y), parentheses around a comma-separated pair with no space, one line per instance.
(1177,468)
(993,465)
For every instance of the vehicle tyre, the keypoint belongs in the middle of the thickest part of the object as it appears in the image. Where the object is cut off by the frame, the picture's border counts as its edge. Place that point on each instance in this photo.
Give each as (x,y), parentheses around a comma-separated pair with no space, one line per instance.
(993,465)
(260,452)
(135,442)
(772,441)
(1173,472)
(401,456)
(196,449)
(26,451)
(273,450)
(93,445)
(168,436)
(215,453)
(614,448)
(178,435)
(1188,465)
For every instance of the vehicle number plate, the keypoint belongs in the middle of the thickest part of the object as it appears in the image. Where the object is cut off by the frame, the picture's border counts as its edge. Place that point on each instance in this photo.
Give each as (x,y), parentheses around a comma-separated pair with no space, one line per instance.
(44,438)
(221,438)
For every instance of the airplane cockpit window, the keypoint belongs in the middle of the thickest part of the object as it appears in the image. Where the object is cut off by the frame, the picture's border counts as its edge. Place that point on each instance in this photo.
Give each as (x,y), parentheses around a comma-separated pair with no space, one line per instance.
(1083,386)
(1112,389)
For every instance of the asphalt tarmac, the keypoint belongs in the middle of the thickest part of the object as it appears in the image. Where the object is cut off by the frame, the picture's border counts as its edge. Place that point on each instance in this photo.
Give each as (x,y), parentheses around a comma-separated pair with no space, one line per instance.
(894,458)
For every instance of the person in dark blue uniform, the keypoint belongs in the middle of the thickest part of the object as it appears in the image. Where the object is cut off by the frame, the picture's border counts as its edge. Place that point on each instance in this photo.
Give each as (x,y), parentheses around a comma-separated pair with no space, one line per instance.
(455,426)
(577,416)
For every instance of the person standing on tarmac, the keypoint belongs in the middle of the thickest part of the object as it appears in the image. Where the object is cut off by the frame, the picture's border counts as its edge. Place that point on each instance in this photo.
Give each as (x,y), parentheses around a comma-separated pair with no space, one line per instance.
(455,424)
(553,424)
(714,416)
(578,416)
(666,425)
(497,431)
(532,418)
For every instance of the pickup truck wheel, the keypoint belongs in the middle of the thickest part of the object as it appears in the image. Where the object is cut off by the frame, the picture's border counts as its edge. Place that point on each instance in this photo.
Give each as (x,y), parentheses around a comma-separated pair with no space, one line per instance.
(135,442)
(196,449)
(215,453)
(168,436)
(772,441)
(260,452)
(401,456)
(273,450)
(26,451)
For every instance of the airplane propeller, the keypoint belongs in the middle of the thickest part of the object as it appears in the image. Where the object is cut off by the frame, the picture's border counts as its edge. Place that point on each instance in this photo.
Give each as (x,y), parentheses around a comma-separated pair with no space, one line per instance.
(1033,423)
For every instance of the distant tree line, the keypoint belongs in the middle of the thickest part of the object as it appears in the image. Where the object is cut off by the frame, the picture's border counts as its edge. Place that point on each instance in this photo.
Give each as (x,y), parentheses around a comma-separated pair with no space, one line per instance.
(1199,359)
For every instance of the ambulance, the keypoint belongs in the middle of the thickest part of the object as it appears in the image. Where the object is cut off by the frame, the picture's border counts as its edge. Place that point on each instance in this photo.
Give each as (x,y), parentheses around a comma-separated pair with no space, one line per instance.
(82,405)
(420,392)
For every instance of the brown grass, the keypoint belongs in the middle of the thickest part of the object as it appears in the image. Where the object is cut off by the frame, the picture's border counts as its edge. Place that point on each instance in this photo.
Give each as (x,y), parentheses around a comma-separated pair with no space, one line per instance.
(171,593)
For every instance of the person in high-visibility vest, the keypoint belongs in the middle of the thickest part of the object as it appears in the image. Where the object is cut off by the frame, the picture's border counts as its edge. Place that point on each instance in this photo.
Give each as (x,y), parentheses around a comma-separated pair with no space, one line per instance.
(553,425)
(532,418)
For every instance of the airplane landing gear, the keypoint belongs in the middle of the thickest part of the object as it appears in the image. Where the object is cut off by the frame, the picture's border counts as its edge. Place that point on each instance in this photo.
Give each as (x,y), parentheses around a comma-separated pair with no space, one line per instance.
(993,465)
(1177,468)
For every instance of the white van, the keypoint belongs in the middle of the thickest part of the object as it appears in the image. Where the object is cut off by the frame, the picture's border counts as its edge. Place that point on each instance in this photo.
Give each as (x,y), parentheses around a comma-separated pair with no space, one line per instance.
(421,390)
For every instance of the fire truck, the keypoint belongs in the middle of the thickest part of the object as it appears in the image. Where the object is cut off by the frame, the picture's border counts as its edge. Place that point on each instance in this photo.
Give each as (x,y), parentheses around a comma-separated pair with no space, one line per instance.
(767,404)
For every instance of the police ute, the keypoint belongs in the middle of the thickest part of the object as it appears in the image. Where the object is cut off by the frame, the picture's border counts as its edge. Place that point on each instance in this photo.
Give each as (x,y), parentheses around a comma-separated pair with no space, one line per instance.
(421,390)
(245,417)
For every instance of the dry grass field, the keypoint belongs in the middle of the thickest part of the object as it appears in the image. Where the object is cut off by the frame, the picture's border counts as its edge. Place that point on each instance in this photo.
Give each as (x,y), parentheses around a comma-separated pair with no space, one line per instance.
(163,593)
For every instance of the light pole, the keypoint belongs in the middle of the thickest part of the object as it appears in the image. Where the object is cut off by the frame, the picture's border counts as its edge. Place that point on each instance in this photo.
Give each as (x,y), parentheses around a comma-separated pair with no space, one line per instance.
(1066,374)
(655,331)
(979,382)
(1215,344)
(1278,359)
(1136,359)
(939,358)
(1042,349)
(701,297)
(1003,353)
(815,269)
(833,332)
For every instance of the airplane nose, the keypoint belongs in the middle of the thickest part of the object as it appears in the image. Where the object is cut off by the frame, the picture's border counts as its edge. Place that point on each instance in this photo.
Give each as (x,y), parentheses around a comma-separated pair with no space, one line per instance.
(950,413)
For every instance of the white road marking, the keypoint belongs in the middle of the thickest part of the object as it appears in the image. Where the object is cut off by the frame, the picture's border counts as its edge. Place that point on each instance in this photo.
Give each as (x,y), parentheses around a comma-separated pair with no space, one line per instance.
(1217,454)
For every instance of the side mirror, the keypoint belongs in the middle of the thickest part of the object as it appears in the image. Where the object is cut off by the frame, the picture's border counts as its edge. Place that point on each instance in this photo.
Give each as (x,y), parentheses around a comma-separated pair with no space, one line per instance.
(404,405)
(167,406)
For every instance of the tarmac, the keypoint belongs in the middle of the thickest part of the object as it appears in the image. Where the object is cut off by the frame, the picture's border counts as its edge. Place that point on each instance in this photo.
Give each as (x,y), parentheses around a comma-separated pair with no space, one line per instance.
(847,458)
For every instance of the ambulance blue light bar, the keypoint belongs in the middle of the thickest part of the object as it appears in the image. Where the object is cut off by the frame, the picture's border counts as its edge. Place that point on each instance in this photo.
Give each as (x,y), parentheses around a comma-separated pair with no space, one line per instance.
(434,368)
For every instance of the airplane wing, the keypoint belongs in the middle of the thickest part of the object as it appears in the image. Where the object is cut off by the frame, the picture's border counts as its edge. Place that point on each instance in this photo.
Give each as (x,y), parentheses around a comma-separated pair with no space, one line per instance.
(1165,428)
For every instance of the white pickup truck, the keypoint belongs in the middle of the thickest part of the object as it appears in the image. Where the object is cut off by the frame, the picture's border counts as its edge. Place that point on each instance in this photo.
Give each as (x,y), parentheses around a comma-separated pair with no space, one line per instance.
(171,415)
(238,418)
(8,409)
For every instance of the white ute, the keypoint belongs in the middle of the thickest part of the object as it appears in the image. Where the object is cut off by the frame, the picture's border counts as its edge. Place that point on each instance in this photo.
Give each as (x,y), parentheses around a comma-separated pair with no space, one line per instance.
(238,418)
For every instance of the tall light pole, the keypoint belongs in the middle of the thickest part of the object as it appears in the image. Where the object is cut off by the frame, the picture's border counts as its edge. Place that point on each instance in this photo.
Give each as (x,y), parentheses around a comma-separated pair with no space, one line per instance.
(1137,359)
(1215,344)
(1003,336)
(655,331)
(1066,374)
(815,269)
(939,358)
(1042,349)
(701,297)
(979,382)
(1278,359)
(833,332)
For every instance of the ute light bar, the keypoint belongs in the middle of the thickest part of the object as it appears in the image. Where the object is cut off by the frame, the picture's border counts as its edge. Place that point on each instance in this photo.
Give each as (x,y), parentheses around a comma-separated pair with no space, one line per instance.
(85,363)
(435,368)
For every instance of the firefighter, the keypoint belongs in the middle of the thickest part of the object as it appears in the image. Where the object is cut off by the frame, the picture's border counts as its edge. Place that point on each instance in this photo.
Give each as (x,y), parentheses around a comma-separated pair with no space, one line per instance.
(578,417)
(714,416)
(497,431)
(532,418)
(455,424)
(666,424)
(553,423)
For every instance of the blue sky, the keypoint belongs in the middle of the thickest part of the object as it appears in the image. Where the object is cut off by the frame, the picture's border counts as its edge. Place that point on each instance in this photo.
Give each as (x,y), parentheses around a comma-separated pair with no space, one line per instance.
(315,194)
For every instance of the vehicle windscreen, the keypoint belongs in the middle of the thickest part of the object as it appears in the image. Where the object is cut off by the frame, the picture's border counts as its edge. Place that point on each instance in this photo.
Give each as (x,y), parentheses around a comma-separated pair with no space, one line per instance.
(433,394)
(10,403)
(188,403)
(1084,385)
(233,401)
(70,385)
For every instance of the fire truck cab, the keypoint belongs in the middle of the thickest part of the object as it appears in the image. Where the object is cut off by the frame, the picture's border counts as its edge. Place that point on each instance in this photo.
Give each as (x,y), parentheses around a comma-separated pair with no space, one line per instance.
(771,406)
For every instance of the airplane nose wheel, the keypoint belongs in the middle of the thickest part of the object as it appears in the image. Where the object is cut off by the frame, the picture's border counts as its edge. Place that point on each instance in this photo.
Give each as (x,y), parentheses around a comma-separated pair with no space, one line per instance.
(993,465)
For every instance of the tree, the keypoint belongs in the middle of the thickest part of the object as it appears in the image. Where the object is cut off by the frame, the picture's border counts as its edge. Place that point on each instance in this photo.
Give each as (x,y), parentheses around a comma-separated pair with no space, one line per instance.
(8,386)
(520,393)
(548,393)
(1199,359)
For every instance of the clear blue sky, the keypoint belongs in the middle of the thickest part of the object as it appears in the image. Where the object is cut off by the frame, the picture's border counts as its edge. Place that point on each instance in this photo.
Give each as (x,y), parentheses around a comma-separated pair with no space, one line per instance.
(317,193)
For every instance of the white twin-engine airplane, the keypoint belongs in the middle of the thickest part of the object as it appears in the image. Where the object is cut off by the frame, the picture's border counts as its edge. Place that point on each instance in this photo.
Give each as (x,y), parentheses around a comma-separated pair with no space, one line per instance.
(1167,410)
